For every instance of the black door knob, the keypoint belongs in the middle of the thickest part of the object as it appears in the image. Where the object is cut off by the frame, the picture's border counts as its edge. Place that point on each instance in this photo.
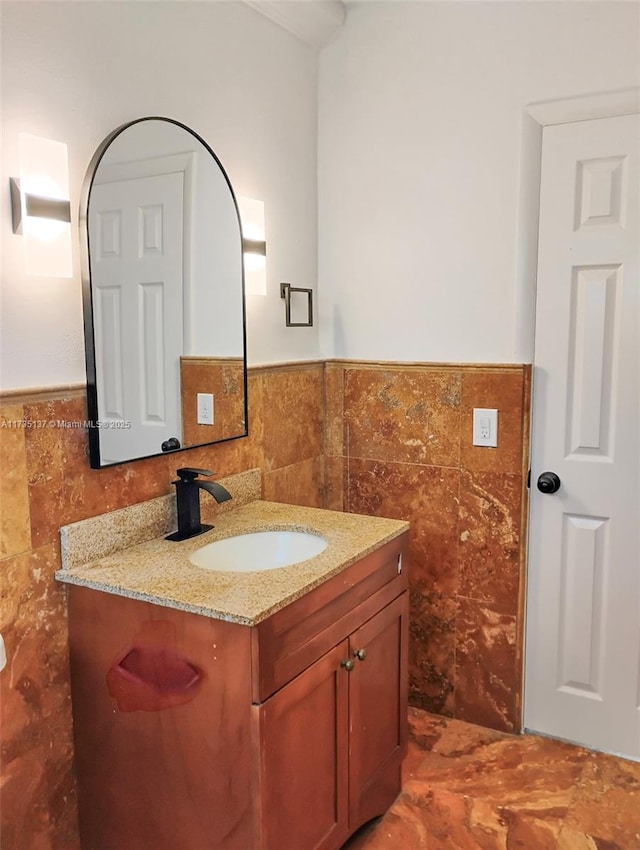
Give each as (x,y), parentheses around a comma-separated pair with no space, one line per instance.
(548,482)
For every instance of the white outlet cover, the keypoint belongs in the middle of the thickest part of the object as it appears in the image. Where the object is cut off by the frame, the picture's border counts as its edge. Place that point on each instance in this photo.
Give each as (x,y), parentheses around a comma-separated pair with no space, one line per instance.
(205,409)
(485,427)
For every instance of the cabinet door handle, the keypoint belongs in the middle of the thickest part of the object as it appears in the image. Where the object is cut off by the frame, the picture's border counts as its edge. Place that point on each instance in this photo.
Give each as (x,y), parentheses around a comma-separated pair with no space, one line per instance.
(360,654)
(348,664)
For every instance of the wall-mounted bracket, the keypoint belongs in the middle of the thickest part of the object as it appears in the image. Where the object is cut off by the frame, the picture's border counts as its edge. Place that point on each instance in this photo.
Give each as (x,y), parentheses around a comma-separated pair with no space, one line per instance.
(286,291)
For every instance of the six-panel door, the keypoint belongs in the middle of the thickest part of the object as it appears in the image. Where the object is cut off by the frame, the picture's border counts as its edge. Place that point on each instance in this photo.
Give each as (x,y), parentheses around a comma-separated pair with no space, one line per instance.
(583,618)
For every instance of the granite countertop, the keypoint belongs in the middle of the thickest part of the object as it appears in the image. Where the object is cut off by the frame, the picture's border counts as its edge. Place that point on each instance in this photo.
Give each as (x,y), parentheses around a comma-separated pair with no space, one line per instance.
(159,571)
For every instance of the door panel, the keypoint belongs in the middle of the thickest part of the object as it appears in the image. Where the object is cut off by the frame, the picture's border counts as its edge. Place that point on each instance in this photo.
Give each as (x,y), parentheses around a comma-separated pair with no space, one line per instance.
(594,326)
(583,608)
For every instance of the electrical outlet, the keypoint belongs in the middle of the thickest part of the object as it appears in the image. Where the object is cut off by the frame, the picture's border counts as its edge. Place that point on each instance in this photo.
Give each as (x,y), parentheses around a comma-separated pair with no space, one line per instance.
(205,414)
(485,427)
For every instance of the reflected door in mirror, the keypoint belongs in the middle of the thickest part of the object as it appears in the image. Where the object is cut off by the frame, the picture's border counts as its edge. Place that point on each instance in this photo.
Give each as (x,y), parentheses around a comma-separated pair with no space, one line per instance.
(137,284)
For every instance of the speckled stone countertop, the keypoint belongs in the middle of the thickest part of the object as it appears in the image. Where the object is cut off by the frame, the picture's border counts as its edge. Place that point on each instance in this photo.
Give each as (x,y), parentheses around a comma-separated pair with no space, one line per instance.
(159,571)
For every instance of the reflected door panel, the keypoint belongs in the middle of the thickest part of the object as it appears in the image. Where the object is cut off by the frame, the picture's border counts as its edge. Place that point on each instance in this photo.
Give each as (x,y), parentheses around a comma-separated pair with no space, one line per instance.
(137,282)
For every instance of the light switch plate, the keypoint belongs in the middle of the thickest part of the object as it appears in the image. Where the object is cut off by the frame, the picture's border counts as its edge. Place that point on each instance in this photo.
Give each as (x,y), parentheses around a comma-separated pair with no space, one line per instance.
(205,408)
(485,427)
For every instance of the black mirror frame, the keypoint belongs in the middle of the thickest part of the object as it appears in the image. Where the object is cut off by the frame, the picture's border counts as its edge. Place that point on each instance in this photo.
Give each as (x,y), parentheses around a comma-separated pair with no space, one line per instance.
(87,300)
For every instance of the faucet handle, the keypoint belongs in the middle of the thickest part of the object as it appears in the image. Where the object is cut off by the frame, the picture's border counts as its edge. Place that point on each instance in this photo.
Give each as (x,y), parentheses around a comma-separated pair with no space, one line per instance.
(189,474)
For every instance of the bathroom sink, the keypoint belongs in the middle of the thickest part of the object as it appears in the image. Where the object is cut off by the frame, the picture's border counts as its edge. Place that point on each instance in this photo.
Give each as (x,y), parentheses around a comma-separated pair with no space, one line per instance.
(258,551)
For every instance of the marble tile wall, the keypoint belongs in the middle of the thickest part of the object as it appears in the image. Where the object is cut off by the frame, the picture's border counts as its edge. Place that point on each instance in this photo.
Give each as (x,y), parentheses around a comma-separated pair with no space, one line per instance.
(46,482)
(398,444)
(388,440)
(224,378)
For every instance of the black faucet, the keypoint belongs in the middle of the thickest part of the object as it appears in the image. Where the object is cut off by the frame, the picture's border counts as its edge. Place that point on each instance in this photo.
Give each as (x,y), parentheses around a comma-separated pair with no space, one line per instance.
(188,488)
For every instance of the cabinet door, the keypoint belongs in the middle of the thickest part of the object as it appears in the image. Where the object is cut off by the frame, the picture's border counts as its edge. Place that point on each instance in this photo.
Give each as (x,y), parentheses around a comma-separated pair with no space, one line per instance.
(303,751)
(378,693)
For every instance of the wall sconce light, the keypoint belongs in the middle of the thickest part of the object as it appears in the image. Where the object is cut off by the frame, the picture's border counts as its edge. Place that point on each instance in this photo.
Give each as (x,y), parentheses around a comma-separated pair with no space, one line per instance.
(254,245)
(40,206)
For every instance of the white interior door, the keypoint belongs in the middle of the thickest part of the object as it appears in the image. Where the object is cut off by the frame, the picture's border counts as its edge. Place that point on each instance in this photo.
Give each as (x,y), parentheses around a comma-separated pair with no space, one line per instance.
(136,273)
(582,671)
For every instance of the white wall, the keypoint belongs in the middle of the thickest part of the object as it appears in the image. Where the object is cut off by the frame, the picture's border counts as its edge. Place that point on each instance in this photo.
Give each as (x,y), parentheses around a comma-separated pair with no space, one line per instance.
(75,71)
(421,113)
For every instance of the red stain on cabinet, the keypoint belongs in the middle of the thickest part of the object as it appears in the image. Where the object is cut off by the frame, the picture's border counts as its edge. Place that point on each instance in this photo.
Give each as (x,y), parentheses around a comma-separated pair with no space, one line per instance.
(151,675)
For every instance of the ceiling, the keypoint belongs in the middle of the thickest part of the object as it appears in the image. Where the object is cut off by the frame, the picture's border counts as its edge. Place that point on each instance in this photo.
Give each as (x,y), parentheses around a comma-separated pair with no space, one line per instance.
(312,21)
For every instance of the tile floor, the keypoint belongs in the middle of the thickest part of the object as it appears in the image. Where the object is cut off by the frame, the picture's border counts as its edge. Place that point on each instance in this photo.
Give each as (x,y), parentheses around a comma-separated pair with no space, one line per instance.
(470,788)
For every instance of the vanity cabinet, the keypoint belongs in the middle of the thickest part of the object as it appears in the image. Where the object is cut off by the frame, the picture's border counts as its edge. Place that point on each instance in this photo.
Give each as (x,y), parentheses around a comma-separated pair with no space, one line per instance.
(332,740)
(205,734)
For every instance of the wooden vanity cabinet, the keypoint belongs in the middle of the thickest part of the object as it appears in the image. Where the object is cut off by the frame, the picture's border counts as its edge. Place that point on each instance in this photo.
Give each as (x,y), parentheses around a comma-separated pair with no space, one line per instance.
(287,735)
(302,759)
(331,741)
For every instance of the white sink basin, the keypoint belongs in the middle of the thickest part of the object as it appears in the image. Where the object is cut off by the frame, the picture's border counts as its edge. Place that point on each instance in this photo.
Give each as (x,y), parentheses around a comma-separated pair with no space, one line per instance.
(261,550)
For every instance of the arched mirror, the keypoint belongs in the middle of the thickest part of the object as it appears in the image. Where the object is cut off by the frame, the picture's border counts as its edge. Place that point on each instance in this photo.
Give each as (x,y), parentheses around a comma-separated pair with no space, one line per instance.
(163,293)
